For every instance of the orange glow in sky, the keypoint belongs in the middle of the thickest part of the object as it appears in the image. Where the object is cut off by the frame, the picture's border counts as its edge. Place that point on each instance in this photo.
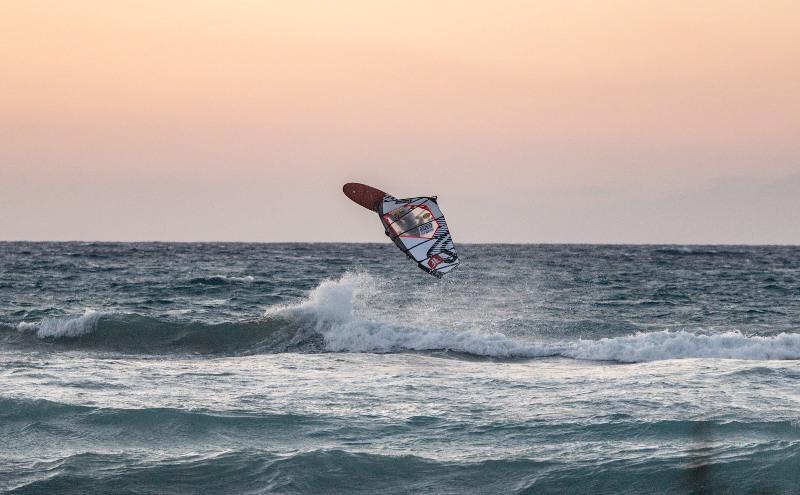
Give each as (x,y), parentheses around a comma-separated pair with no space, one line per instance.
(590,121)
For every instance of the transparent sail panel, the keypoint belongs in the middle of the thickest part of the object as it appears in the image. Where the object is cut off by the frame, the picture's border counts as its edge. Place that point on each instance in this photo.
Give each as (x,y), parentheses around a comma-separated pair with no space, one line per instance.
(418,228)
(411,221)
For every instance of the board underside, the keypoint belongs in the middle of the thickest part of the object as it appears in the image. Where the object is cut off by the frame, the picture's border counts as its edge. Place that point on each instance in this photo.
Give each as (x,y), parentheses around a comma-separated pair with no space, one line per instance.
(366,196)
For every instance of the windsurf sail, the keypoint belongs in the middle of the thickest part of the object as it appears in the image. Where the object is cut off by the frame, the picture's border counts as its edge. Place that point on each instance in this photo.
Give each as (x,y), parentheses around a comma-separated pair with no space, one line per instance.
(417,226)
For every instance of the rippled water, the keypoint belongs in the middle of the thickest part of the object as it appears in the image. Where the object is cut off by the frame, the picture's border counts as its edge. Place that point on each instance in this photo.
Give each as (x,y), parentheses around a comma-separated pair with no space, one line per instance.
(310,368)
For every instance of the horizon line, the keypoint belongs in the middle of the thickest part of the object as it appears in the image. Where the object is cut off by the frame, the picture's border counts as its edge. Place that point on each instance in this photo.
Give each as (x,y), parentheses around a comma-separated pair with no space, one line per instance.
(544,243)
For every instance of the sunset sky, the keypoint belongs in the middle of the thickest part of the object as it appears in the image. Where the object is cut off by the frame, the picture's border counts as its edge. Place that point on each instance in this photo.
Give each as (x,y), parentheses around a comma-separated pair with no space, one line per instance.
(552,121)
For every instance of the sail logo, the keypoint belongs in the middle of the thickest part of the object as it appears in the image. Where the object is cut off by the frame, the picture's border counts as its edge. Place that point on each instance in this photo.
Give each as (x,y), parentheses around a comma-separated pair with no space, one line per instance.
(434,261)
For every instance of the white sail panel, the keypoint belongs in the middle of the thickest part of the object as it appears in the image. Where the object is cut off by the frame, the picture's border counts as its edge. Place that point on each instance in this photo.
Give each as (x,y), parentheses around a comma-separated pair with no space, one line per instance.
(417,226)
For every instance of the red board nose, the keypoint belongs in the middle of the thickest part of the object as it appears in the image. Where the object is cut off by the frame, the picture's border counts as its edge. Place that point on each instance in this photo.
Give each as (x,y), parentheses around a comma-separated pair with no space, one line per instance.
(364,195)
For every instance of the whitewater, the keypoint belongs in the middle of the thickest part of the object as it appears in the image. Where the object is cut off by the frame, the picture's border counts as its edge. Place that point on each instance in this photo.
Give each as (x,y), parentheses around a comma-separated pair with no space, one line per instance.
(306,368)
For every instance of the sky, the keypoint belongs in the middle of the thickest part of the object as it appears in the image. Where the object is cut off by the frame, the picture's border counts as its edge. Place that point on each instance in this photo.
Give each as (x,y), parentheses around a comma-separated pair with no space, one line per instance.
(601,121)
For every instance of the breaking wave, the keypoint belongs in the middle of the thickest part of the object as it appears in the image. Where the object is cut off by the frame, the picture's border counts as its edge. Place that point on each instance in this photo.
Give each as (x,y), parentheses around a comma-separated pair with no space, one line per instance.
(63,327)
(326,321)
(136,334)
(330,307)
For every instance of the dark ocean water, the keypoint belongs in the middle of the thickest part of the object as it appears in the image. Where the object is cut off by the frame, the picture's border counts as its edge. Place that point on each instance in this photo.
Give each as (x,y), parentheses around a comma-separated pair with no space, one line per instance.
(322,368)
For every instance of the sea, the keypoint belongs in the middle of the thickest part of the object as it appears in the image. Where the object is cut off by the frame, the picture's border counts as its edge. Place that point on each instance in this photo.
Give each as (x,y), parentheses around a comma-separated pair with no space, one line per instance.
(180,368)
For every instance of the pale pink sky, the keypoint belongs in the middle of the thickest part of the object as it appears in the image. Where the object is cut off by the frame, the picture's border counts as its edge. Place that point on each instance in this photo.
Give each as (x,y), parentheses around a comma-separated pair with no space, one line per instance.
(580,121)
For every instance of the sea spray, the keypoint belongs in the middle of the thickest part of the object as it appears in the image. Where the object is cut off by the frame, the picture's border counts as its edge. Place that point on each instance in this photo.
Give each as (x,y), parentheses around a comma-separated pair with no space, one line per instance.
(330,307)
(330,301)
(63,327)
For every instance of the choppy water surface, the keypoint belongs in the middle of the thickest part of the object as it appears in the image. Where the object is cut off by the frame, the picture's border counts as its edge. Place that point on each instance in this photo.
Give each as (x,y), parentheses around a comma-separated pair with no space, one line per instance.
(311,368)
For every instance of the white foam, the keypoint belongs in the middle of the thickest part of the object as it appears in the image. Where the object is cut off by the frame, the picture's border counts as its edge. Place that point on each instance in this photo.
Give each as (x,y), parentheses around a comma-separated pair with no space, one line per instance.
(27,326)
(362,336)
(329,303)
(70,326)
(682,345)
(177,312)
(330,307)
(213,302)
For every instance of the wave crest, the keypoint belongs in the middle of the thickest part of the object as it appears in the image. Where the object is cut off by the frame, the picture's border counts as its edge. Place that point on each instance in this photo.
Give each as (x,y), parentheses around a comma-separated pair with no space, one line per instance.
(136,334)
(327,321)
(69,327)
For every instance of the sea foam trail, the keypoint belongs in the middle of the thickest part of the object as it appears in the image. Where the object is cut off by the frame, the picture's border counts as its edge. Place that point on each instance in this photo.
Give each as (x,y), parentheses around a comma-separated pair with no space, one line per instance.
(335,317)
(681,345)
(330,306)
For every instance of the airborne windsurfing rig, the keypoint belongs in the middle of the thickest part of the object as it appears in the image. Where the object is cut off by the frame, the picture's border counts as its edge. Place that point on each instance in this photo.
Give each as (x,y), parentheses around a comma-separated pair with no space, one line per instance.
(416,226)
